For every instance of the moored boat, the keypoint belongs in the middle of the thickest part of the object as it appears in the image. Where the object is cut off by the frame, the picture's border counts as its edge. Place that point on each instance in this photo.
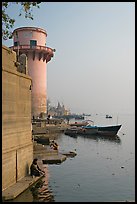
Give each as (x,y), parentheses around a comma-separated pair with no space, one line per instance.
(111,130)
(72,131)
(108,116)
(79,117)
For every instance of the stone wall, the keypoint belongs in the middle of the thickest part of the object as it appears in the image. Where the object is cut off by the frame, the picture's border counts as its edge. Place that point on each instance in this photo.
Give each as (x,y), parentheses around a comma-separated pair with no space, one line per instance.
(17,146)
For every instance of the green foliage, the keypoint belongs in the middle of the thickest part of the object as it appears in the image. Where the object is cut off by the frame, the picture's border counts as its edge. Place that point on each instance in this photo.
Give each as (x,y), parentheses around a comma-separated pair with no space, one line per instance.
(8,22)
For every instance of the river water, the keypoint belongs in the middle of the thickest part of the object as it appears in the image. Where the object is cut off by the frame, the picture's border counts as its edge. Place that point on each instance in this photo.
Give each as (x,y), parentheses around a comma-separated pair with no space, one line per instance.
(102,171)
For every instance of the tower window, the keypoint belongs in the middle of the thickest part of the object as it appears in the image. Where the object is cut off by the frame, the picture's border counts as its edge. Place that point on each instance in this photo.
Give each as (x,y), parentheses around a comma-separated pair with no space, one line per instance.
(16,43)
(33,43)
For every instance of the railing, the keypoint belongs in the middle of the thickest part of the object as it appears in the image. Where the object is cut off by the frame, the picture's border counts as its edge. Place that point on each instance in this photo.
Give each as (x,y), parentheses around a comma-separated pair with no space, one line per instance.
(31,47)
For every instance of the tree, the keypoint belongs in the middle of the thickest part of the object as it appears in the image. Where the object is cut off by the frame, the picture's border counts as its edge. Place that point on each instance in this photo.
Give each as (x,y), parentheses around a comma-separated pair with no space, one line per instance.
(8,22)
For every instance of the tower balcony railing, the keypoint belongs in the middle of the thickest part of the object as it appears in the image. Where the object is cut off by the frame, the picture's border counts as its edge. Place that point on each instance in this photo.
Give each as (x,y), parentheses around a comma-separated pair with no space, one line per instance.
(33,47)
(44,52)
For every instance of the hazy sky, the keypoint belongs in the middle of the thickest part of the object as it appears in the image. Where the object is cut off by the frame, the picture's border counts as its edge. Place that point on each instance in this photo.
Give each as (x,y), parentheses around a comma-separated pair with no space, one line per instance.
(93,69)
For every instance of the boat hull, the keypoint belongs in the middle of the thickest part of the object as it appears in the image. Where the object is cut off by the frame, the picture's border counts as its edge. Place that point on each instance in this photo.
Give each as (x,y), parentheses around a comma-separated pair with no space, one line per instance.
(72,131)
(109,130)
(94,130)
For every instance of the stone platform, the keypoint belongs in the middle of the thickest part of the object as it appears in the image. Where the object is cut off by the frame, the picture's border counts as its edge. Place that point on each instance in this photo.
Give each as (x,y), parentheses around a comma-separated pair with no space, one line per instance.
(54,159)
(19,187)
(48,155)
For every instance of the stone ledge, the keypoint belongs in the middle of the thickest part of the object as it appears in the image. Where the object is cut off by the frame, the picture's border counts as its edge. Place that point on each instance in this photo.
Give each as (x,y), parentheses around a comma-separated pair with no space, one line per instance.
(54,159)
(15,190)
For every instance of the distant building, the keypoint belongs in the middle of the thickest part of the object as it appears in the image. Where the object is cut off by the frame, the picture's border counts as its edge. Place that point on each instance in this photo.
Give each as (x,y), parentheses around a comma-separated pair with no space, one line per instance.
(17,146)
(31,41)
(58,111)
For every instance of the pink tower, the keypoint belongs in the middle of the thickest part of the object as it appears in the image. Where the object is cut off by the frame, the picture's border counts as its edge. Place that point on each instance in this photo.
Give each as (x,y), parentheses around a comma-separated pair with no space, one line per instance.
(32,42)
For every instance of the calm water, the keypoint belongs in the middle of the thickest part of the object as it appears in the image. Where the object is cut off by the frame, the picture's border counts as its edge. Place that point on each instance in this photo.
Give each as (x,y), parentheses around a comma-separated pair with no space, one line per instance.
(95,174)
(103,170)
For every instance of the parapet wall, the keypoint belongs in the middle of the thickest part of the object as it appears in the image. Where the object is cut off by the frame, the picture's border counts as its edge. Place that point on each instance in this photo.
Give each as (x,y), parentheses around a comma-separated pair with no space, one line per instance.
(17,146)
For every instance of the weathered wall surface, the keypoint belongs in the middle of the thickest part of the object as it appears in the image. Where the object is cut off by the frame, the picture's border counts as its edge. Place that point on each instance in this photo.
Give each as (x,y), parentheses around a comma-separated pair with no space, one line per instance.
(17,146)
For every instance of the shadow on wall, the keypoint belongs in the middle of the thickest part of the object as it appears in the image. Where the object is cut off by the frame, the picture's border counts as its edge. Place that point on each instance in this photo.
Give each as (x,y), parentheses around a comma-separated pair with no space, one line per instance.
(27,172)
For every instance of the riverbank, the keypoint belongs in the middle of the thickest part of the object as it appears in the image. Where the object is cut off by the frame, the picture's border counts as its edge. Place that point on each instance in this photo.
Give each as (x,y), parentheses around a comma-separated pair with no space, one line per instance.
(95,174)
(44,154)
(43,128)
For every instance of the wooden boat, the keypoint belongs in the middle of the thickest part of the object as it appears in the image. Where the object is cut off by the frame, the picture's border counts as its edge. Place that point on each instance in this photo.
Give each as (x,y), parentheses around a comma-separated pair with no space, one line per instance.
(82,130)
(111,130)
(72,131)
(70,154)
(42,140)
(79,117)
(108,116)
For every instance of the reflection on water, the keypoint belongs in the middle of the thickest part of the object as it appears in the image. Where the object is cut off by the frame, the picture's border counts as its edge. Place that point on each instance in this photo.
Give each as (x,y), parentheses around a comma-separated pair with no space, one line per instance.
(115,139)
(102,171)
(40,190)
(41,193)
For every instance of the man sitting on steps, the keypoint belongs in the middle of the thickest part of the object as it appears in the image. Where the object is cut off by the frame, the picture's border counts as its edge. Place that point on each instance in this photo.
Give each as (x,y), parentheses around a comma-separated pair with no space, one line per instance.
(54,145)
(35,170)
